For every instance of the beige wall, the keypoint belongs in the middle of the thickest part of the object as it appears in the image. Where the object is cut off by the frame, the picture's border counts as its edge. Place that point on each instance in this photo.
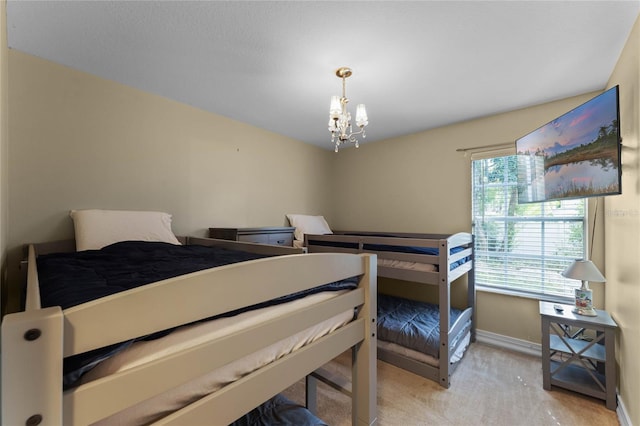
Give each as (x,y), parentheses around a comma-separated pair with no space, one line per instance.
(79,141)
(4,144)
(622,230)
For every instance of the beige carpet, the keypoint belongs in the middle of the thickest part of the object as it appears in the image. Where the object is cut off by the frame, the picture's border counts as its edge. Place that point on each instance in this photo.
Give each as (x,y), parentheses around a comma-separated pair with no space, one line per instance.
(491,387)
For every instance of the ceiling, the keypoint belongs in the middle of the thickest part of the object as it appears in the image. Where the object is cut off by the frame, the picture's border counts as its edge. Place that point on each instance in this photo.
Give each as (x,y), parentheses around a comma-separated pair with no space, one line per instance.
(416,64)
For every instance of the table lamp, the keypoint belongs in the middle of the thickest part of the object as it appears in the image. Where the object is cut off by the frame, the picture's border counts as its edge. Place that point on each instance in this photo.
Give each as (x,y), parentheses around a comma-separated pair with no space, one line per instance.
(584,270)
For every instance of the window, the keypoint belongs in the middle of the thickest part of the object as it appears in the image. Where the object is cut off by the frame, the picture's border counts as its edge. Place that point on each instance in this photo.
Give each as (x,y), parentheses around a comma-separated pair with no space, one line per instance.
(522,248)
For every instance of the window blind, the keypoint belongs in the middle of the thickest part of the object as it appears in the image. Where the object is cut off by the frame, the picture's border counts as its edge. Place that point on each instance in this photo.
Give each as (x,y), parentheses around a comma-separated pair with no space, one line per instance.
(522,248)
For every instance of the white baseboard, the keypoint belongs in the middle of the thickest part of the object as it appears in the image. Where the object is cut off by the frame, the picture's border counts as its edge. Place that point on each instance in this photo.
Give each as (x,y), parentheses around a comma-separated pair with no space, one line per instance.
(535,349)
(511,343)
(623,414)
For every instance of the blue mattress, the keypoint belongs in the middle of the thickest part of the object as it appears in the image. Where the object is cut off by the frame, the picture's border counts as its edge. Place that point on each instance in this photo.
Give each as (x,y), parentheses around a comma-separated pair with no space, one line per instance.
(411,324)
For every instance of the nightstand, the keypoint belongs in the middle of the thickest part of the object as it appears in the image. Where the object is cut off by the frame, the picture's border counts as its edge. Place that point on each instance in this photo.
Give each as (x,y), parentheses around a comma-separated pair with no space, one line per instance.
(276,235)
(572,362)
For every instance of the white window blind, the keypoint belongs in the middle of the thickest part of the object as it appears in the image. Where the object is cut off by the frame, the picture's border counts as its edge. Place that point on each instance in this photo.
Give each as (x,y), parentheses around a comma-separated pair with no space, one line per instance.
(522,248)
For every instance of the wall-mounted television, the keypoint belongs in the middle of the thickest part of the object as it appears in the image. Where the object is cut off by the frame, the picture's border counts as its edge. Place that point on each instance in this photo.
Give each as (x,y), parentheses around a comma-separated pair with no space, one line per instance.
(576,155)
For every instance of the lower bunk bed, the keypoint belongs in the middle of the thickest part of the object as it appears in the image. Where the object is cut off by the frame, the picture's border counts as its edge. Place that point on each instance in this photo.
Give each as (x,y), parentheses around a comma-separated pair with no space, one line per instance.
(182,345)
(279,411)
(437,335)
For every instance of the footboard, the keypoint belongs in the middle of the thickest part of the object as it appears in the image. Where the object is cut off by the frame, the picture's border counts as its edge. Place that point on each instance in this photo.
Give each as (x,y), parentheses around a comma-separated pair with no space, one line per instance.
(462,327)
(35,341)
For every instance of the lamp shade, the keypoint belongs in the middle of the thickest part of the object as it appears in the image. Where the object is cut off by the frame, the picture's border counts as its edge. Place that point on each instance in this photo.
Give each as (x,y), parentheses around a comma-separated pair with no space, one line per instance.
(584,270)
(361,116)
(334,107)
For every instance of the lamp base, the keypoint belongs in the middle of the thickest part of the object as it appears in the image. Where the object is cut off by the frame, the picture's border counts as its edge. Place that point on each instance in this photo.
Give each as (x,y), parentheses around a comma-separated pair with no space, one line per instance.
(586,312)
(584,304)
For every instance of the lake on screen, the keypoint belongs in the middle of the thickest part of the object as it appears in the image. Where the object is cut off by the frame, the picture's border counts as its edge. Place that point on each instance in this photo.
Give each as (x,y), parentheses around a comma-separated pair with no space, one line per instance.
(565,178)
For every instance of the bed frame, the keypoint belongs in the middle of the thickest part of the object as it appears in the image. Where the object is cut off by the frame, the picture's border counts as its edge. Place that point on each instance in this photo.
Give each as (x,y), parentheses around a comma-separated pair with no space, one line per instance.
(443,276)
(35,341)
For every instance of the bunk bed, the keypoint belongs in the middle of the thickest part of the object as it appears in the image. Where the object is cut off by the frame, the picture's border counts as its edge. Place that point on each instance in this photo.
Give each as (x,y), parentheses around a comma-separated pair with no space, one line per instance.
(147,380)
(434,259)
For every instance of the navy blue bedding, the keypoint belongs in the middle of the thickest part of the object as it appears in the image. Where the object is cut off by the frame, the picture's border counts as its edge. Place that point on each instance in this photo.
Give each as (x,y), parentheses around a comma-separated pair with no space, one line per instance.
(69,279)
(279,411)
(410,323)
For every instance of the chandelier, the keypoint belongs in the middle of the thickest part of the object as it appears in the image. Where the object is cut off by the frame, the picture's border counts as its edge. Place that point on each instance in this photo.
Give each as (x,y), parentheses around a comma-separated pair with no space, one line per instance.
(340,119)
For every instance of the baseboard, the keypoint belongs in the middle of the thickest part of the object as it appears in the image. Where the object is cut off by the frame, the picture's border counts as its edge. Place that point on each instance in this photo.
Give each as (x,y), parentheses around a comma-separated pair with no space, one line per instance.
(511,343)
(535,349)
(623,414)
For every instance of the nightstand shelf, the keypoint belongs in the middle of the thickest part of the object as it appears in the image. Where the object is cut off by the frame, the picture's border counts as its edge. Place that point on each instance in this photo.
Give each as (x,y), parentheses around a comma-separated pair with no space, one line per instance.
(570,361)
(594,352)
(575,378)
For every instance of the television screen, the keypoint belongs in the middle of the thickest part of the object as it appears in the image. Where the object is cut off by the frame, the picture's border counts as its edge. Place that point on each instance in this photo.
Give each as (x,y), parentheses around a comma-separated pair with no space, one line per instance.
(576,155)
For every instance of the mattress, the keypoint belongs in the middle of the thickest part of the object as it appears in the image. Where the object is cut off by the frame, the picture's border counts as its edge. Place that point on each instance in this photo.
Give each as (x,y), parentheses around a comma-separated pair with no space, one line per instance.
(189,336)
(424,358)
(411,324)
(402,264)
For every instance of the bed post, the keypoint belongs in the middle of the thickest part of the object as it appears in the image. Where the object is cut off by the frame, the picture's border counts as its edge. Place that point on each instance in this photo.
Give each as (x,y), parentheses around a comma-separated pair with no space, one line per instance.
(471,291)
(311,393)
(32,359)
(32,367)
(364,365)
(444,305)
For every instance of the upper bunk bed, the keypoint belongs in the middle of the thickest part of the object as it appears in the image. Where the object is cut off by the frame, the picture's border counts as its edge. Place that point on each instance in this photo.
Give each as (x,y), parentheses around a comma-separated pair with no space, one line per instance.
(434,259)
(422,258)
(199,347)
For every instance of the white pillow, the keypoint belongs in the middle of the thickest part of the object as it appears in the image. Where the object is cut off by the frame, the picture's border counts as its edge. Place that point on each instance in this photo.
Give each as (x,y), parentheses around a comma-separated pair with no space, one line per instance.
(98,228)
(306,224)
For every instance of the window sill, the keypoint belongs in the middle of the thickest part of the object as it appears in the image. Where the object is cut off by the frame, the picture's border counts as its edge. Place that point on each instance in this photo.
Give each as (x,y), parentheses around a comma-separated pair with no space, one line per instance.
(525,295)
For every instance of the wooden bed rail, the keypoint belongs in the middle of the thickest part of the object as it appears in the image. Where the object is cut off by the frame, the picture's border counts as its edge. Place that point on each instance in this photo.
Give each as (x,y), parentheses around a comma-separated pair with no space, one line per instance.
(262,279)
(97,399)
(32,301)
(35,341)
(65,246)
(283,372)
(243,246)
(420,235)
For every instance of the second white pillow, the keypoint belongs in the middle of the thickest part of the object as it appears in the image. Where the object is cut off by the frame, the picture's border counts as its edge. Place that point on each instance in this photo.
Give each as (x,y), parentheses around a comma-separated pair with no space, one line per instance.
(307,224)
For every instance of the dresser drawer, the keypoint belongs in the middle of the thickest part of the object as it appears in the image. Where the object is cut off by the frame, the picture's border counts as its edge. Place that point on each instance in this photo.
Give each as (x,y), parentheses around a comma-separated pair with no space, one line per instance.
(274,235)
(254,238)
(283,239)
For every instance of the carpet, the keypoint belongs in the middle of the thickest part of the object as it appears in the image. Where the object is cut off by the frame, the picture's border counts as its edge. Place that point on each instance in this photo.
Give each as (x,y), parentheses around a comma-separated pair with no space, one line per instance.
(491,386)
